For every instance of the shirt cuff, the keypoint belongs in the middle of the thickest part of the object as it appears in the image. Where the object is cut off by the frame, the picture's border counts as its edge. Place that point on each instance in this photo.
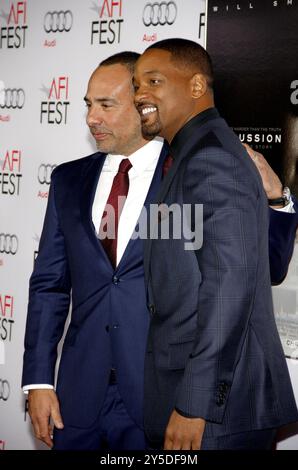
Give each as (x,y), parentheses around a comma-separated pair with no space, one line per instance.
(26,388)
(289,208)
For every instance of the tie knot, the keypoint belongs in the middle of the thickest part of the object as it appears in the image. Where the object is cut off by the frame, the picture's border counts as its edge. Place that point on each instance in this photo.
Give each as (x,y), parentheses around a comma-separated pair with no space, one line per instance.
(124,166)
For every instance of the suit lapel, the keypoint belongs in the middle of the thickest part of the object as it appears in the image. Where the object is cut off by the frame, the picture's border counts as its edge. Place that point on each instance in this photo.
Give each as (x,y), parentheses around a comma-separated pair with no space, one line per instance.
(153,198)
(89,180)
(161,194)
(188,147)
(150,198)
(190,141)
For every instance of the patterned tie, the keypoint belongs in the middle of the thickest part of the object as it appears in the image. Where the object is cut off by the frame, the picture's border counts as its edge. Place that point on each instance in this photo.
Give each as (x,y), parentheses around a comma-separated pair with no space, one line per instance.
(167,165)
(110,220)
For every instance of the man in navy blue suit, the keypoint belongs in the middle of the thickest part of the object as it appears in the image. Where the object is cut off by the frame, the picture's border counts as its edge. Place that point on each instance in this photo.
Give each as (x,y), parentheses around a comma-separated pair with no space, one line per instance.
(99,398)
(98,402)
(215,372)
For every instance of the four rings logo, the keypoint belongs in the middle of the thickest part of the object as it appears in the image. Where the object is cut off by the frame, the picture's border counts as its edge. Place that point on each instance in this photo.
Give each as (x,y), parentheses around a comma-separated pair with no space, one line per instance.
(9,244)
(12,98)
(58,21)
(4,390)
(162,13)
(44,173)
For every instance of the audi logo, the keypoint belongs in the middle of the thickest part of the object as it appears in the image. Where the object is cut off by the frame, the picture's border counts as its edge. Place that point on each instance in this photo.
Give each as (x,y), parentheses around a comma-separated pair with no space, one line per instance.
(9,244)
(58,21)
(4,390)
(44,173)
(12,98)
(159,13)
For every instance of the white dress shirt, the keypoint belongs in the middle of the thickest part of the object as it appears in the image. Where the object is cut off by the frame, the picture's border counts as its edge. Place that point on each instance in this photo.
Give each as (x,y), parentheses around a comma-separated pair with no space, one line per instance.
(143,162)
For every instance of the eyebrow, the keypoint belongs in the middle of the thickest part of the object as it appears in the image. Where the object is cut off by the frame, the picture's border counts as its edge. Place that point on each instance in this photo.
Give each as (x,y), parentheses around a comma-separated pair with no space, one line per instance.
(153,71)
(148,72)
(101,100)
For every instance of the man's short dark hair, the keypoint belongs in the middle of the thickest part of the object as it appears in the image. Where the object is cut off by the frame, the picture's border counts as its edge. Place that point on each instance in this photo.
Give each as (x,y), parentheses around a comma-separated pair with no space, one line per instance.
(187,55)
(126,58)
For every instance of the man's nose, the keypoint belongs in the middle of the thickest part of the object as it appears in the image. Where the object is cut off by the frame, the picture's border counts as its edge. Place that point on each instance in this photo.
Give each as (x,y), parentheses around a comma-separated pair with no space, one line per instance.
(141,95)
(94,116)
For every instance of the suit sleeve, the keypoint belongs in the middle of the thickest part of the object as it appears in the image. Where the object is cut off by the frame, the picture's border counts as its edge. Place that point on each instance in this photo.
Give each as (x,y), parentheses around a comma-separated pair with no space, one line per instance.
(282,231)
(49,299)
(228,261)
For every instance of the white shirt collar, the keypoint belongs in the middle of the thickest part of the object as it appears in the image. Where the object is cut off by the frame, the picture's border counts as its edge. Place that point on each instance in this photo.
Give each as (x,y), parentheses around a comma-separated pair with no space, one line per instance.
(143,159)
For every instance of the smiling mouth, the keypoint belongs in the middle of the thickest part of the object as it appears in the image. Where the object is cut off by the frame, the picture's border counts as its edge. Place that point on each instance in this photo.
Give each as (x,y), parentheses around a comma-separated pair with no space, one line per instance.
(146,110)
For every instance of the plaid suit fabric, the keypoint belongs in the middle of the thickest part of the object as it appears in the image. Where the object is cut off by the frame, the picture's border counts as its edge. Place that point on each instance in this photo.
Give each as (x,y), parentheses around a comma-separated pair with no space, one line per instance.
(213,349)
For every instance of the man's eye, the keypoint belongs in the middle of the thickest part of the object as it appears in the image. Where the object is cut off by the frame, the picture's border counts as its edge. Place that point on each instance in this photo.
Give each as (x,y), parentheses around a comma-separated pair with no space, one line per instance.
(154,81)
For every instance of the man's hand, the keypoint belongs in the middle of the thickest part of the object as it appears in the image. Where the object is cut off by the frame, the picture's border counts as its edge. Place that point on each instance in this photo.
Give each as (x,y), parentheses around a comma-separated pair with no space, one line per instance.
(271,181)
(184,433)
(43,405)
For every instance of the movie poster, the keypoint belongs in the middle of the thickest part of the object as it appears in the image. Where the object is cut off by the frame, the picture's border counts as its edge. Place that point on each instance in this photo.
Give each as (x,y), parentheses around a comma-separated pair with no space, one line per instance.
(254,47)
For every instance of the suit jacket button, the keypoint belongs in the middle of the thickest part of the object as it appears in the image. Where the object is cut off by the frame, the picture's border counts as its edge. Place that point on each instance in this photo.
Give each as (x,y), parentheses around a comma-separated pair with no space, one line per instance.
(115,280)
(152,309)
(220,401)
(223,387)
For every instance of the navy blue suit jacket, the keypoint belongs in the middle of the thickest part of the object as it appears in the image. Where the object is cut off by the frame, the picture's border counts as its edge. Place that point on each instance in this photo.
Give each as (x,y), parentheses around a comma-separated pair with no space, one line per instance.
(213,348)
(109,321)
(282,231)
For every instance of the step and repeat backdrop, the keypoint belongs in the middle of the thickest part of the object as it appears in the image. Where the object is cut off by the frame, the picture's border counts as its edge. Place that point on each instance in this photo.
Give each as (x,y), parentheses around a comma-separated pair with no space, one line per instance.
(48,50)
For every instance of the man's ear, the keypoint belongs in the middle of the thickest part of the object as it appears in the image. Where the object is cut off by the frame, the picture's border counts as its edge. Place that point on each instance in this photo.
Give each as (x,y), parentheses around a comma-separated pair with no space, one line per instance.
(198,85)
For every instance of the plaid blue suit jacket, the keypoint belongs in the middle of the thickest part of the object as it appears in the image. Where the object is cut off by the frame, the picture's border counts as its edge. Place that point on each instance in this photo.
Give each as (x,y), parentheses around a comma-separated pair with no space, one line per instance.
(213,348)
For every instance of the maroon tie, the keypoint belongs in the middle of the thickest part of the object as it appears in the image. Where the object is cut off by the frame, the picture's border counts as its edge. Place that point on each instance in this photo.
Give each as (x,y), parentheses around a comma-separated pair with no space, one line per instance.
(167,165)
(119,190)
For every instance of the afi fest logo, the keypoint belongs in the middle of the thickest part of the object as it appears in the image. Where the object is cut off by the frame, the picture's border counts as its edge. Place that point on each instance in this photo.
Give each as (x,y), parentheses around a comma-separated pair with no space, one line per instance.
(108,29)
(54,110)
(6,317)
(10,173)
(13,35)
